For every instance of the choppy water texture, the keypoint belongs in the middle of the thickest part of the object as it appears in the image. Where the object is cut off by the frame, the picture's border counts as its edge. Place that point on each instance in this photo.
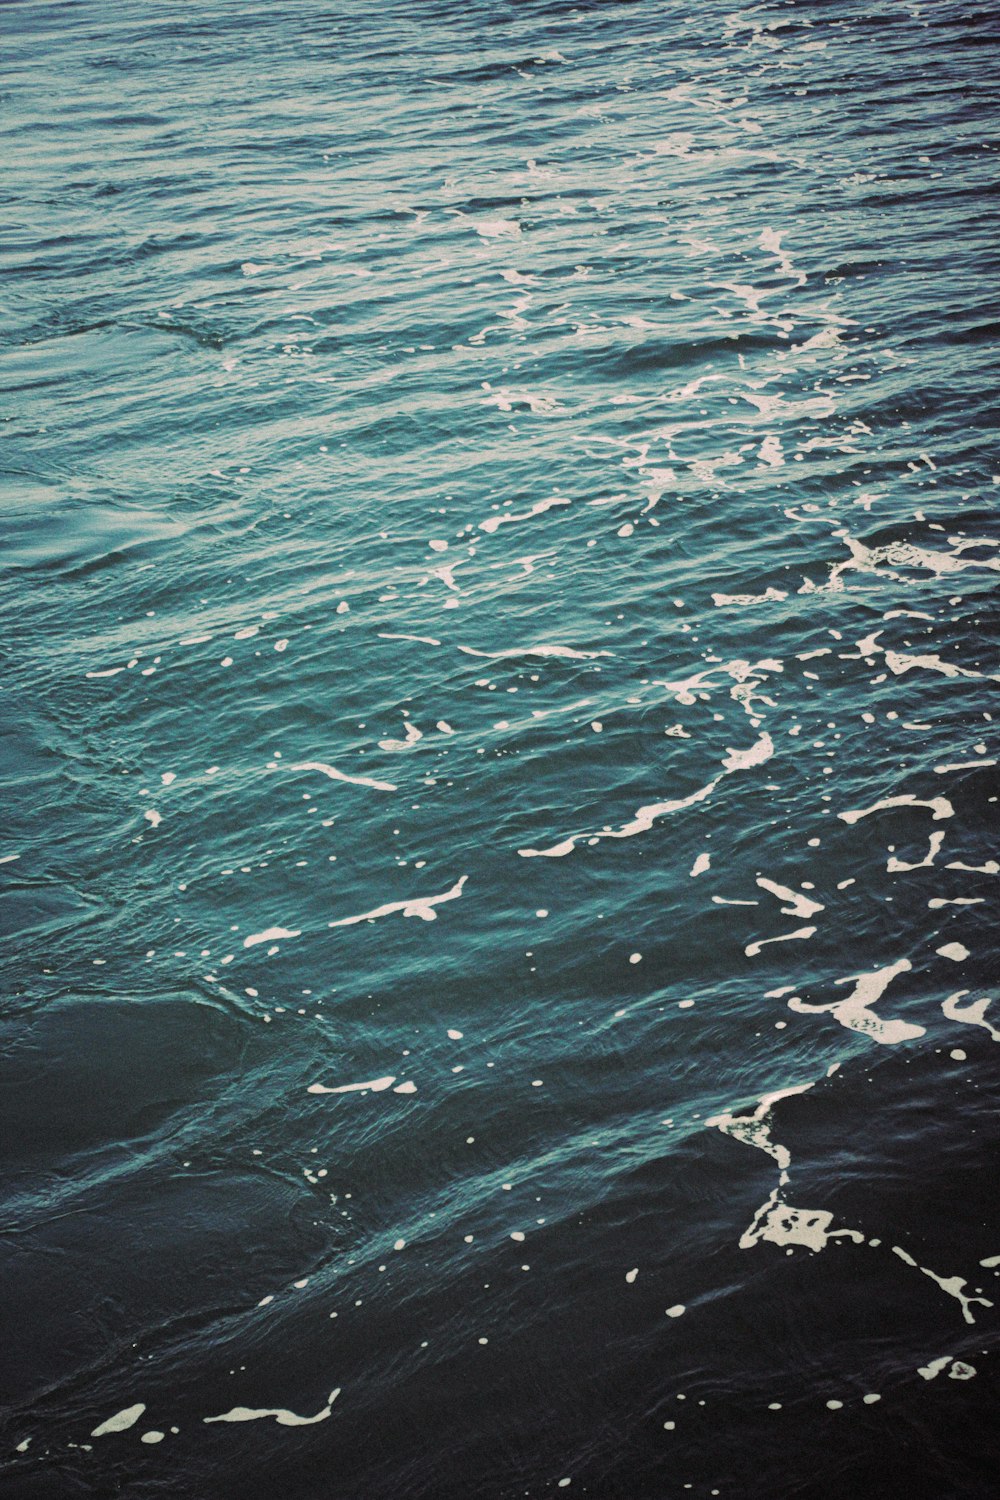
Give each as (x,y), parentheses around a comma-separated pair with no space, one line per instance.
(498,611)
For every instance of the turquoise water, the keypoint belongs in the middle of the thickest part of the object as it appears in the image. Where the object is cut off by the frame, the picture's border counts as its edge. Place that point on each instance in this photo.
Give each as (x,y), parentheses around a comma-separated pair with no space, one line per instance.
(498,610)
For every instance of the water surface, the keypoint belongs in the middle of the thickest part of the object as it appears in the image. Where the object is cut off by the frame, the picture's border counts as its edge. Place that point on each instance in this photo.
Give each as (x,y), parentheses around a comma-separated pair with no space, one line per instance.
(498,606)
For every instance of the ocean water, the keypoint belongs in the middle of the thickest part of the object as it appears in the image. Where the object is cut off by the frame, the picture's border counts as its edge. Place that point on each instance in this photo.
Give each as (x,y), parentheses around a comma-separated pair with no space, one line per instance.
(499,601)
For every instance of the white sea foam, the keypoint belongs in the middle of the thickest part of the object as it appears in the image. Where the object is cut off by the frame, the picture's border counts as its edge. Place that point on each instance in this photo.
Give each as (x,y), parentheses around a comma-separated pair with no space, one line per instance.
(972,1014)
(121,1421)
(335,775)
(503,518)
(855,1011)
(952,1285)
(370,1086)
(800,905)
(939,807)
(413,906)
(270,935)
(281,1414)
(752,949)
(646,816)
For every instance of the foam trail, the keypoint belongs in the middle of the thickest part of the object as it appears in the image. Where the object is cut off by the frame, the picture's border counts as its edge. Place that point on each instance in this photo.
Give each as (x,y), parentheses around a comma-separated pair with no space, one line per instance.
(566,652)
(335,775)
(722,600)
(643,820)
(270,935)
(492,523)
(646,816)
(939,807)
(951,1284)
(415,906)
(372,1086)
(281,1414)
(752,949)
(121,1421)
(898,663)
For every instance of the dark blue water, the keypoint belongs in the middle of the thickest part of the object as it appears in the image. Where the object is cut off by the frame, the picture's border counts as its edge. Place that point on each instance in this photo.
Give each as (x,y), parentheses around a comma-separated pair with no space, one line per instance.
(499,602)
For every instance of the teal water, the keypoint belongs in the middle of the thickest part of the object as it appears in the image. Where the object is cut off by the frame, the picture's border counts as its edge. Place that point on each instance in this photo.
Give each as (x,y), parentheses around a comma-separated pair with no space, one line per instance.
(498,609)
